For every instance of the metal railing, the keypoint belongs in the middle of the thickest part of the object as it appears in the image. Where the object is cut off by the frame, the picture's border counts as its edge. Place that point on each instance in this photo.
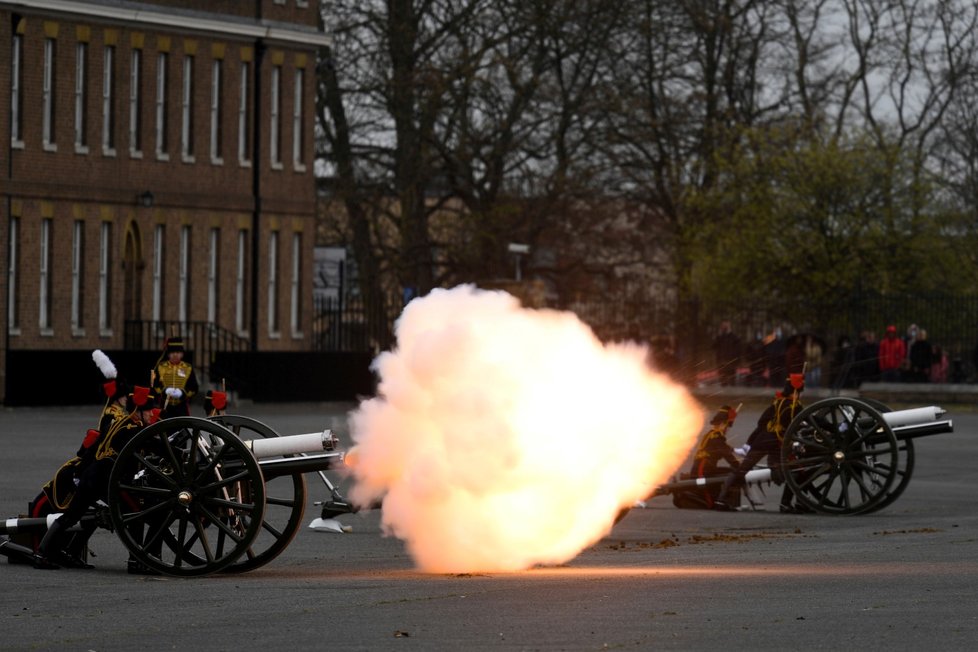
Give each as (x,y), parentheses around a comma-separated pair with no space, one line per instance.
(204,340)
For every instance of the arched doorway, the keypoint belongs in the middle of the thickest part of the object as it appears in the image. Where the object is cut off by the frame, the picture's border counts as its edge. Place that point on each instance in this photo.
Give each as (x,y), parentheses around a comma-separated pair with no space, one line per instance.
(132,269)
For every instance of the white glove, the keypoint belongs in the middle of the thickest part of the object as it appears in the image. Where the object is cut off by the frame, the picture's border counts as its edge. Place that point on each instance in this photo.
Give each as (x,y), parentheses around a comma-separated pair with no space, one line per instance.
(742,450)
(174,393)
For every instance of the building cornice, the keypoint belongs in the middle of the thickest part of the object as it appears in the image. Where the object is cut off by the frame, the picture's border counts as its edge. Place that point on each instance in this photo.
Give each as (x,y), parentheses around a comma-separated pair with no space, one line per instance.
(140,14)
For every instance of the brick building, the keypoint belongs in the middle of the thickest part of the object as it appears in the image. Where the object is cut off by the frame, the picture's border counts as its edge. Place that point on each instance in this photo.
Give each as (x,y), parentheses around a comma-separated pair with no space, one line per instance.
(157,177)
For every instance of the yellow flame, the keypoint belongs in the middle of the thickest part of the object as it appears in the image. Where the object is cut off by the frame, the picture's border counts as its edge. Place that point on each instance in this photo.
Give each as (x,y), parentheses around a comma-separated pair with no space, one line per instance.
(503,437)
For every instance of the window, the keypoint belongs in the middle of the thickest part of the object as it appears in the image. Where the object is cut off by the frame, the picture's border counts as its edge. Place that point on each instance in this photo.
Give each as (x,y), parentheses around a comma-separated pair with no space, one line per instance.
(135,104)
(108,102)
(184,274)
(81,94)
(187,109)
(77,277)
(244,155)
(104,280)
(16,99)
(158,250)
(297,133)
(161,107)
(213,260)
(273,283)
(296,294)
(275,126)
(48,96)
(240,283)
(217,110)
(44,292)
(13,296)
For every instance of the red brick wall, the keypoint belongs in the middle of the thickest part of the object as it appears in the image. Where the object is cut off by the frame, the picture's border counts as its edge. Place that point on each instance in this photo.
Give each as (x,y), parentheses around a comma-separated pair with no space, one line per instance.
(96,187)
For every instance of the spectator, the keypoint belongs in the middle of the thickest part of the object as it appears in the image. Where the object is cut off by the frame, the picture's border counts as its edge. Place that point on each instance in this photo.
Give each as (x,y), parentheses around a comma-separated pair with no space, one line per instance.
(794,354)
(843,371)
(756,361)
(938,365)
(774,355)
(921,358)
(727,347)
(866,356)
(892,354)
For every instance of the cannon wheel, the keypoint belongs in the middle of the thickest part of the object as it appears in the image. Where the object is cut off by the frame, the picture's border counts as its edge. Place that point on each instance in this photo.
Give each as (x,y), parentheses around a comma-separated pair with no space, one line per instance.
(186,497)
(840,457)
(285,502)
(905,461)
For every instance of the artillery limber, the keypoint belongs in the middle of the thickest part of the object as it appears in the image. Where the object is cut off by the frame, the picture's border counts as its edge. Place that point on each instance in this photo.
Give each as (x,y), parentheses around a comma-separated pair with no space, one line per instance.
(842,456)
(190,496)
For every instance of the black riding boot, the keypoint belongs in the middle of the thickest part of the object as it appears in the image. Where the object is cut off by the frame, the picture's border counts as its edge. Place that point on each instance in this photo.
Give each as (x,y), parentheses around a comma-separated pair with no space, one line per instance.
(51,542)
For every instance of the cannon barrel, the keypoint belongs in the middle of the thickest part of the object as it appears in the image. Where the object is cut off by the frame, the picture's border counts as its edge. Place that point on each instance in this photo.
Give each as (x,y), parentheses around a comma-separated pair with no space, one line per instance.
(311,442)
(913,416)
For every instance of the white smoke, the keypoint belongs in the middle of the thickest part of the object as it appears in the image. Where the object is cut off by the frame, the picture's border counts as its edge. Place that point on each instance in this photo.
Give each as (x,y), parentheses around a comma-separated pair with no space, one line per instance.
(504,437)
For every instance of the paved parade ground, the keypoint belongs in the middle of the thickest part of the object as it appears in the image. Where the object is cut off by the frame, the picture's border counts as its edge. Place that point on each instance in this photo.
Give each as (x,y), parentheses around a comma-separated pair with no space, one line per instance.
(905,578)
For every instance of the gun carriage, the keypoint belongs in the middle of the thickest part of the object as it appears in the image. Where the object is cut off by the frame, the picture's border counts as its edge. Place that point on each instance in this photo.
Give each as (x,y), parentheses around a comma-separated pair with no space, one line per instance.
(843,456)
(191,496)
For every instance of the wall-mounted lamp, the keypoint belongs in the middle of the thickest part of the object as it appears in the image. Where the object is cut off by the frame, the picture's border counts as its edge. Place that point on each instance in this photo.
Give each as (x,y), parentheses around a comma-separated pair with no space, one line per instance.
(146,199)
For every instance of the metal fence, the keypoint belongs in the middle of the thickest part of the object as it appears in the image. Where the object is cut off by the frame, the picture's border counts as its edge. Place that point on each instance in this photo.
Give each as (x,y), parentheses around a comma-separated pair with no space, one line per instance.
(688,328)
(351,324)
(203,340)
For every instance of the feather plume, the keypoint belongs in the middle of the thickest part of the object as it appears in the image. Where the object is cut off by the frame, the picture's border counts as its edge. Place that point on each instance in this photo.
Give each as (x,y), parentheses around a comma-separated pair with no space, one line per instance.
(104,364)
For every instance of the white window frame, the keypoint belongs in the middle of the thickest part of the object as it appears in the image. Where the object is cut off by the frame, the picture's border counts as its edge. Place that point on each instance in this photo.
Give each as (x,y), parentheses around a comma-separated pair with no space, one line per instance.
(273,325)
(44,304)
(159,235)
(104,279)
(275,119)
(217,111)
(295,298)
(184,274)
(297,122)
(240,284)
(135,103)
(16,79)
(162,61)
(77,280)
(187,111)
(47,97)
(244,158)
(212,272)
(81,97)
(13,297)
(108,101)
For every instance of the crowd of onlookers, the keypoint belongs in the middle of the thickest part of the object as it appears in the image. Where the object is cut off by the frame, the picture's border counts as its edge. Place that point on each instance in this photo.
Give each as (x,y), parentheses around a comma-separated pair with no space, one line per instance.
(768,358)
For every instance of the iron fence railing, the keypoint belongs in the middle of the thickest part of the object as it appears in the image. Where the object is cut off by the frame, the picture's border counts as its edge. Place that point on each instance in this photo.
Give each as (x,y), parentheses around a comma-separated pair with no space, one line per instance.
(204,340)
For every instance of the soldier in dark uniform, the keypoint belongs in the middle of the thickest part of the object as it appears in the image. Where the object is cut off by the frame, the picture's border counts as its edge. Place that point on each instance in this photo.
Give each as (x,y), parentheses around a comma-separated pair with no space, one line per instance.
(116,429)
(174,381)
(711,450)
(765,441)
(57,494)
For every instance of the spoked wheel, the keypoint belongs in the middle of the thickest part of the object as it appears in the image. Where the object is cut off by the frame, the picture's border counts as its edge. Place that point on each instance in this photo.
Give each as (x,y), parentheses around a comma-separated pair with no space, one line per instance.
(841,457)
(186,497)
(285,502)
(905,461)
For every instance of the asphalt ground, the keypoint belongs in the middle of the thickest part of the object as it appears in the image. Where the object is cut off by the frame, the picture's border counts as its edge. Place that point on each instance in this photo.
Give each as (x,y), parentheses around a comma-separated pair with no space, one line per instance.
(905,578)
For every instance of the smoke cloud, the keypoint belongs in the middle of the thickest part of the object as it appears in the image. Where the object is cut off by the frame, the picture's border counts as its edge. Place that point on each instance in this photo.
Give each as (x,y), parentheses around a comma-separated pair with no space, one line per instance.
(503,437)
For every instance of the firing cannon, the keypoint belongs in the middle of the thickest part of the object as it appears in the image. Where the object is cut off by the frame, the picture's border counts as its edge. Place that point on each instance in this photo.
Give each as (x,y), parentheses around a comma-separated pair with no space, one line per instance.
(190,496)
(843,456)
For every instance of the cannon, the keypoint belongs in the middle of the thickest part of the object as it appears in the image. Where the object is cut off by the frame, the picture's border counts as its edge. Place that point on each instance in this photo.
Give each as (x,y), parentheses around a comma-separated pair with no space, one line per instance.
(842,456)
(190,496)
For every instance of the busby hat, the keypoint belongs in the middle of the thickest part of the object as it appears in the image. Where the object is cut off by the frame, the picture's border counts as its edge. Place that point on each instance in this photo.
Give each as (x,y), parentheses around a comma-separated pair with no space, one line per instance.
(725,414)
(174,344)
(796,383)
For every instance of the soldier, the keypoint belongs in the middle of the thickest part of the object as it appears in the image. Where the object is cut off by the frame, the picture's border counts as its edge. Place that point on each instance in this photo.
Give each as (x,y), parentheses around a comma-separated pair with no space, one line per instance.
(57,493)
(92,480)
(174,381)
(765,441)
(713,448)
